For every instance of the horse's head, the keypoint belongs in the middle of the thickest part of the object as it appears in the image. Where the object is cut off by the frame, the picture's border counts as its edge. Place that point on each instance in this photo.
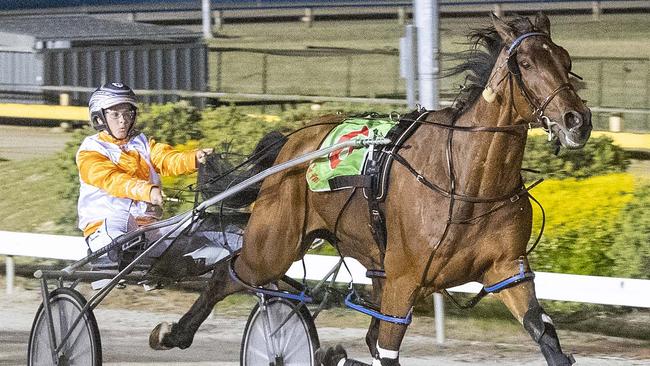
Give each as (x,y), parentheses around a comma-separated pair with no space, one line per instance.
(540,70)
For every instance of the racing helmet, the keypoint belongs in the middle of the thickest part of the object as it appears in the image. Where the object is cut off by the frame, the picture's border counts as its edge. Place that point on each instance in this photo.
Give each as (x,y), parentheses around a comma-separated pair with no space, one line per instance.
(106,96)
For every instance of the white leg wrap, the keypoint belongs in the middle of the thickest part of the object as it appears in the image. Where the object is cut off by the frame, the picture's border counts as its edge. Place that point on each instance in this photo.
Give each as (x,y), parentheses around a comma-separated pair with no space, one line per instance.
(385,353)
(341,362)
(547,319)
(376,362)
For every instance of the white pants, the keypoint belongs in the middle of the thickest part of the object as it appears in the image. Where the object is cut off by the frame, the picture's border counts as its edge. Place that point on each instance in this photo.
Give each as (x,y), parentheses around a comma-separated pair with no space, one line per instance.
(209,245)
(108,231)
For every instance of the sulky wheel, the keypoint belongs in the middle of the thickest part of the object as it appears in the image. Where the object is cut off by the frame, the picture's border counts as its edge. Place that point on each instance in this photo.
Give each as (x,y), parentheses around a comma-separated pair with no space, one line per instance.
(293,344)
(82,348)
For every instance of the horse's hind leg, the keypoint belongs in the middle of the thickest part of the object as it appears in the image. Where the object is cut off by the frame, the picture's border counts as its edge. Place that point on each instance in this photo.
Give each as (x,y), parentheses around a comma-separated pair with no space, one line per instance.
(181,334)
(523,304)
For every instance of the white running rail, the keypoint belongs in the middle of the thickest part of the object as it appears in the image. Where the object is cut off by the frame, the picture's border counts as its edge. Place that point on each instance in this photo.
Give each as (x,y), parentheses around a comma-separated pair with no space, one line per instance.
(549,286)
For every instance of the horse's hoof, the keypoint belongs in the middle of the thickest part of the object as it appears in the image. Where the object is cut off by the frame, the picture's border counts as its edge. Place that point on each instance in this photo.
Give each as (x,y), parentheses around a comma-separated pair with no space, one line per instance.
(157,335)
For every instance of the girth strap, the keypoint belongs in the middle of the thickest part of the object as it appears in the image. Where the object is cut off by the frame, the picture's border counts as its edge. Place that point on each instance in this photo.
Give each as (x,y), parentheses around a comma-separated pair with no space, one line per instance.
(346,181)
(376,273)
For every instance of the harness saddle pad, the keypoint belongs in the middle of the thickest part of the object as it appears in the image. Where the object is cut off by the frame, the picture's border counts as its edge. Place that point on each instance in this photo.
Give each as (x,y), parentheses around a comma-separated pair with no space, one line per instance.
(348,161)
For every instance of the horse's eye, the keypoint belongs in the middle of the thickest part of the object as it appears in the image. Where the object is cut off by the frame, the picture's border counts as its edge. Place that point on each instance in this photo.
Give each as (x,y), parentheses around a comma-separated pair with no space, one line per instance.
(525,64)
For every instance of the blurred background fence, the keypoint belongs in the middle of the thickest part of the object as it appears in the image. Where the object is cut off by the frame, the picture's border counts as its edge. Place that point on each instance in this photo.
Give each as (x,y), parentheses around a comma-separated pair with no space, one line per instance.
(613,85)
(171,69)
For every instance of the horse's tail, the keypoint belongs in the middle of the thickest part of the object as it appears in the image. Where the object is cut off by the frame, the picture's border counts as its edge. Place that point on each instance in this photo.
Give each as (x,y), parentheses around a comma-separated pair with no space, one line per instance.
(267,150)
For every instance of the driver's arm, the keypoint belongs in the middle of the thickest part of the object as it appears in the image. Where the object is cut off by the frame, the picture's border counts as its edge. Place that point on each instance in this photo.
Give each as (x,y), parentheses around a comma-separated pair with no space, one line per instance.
(170,162)
(99,171)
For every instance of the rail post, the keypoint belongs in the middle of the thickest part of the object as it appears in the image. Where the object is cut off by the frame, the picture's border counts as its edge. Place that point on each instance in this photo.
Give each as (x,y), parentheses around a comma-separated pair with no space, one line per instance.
(348,77)
(64,99)
(401,15)
(10,274)
(427,26)
(408,64)
(218,19)
(206,20)
(439,316)
(219,56)
(616,122)
(308,19)
(265,71)
(596,10)
(647,96)
(599,81)
(498,10)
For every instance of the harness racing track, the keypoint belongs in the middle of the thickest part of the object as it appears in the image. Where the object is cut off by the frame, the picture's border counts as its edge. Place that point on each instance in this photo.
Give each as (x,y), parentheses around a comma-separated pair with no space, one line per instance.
(125,333)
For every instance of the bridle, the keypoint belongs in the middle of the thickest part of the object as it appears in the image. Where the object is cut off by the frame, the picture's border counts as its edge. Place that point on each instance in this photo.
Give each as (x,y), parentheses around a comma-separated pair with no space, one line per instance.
(538,108)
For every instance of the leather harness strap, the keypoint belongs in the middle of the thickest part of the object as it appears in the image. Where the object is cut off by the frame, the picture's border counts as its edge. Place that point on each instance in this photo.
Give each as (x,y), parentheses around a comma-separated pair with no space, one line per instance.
(347,181)
(378,169)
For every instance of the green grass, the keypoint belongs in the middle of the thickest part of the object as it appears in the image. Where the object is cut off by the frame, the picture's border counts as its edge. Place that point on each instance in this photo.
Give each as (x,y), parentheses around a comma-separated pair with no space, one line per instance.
(29,199)
(614,35)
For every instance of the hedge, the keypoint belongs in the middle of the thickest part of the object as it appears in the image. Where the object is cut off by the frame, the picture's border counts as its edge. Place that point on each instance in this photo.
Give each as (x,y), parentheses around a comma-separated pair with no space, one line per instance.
(583,217)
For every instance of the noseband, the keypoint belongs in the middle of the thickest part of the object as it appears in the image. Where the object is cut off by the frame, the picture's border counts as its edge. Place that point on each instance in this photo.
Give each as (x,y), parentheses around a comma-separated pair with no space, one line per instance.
(538,108)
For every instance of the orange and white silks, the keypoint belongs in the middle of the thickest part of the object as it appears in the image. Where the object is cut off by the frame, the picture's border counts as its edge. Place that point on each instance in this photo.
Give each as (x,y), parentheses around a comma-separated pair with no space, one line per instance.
(116,177)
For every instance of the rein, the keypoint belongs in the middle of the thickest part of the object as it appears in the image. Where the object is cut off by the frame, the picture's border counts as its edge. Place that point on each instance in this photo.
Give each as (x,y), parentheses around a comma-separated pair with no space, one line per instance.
(505,129)
(512,196)
(250,160)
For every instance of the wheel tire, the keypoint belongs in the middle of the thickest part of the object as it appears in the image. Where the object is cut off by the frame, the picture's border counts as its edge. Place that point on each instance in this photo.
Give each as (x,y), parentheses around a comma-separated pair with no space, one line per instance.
(296,341)
(83,348)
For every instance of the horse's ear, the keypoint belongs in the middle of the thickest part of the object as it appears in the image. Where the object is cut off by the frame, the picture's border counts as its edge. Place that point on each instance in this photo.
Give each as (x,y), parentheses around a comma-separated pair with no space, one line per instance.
(506,32)
(542,23)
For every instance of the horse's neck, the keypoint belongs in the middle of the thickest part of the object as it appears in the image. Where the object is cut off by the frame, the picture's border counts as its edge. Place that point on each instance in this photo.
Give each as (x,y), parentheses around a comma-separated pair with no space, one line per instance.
(488,164)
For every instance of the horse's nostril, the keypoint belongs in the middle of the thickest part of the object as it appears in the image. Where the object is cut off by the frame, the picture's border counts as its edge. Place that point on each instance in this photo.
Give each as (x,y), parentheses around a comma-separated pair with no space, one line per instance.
(572,120)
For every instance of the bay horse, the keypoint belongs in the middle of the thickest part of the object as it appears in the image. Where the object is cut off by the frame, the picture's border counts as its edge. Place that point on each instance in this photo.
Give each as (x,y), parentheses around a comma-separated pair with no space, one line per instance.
(456,209)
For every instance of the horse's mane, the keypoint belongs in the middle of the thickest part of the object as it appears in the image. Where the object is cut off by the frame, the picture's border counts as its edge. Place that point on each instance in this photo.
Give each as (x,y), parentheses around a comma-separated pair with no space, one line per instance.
(478,61)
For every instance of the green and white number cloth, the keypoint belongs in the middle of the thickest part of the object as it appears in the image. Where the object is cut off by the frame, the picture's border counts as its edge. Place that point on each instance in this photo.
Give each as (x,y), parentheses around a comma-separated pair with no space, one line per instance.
(348,161)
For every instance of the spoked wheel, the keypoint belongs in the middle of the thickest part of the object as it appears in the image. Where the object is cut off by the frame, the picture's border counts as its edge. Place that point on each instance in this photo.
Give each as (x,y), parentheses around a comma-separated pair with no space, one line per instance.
(82,348)
(267,341)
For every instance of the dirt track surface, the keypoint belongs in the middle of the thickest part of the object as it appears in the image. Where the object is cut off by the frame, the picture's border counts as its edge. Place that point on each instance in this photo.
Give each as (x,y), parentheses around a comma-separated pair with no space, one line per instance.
(127,316)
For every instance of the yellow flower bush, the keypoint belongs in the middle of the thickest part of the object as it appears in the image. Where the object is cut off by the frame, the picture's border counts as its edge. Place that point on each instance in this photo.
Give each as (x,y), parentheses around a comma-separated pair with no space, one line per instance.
(585,221)
(591,203)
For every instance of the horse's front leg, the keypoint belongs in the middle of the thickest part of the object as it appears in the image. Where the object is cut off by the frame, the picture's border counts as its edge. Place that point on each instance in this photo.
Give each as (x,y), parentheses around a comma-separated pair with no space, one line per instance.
(396,301)
(165,336)
(373,330)
(523,304)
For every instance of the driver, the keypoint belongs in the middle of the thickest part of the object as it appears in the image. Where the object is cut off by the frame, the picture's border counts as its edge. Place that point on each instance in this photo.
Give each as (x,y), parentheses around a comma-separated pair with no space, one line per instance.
(119,169)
